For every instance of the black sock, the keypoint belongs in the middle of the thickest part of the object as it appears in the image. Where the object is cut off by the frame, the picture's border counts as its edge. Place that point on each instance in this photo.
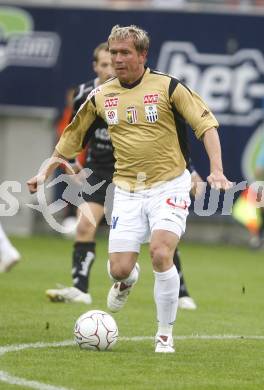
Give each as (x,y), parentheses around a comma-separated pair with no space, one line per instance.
(82,260)
(183,288)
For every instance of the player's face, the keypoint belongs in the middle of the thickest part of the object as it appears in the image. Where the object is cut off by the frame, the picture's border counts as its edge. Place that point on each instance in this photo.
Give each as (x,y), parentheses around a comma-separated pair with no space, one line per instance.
(103,67)
(127,62)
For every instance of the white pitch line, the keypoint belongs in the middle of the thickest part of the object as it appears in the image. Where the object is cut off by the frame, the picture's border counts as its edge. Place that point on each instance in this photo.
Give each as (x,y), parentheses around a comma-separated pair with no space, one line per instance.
(66,343)
(6,377)
(14,380)
(20,347)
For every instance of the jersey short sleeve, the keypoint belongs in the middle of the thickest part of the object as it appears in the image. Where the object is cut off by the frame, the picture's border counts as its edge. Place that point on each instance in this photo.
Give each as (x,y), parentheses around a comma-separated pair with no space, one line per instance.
(71,141)
(193,109)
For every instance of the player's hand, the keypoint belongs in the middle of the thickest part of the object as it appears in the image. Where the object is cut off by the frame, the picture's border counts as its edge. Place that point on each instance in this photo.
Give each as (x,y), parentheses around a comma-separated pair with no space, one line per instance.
(218,181)
(34,182)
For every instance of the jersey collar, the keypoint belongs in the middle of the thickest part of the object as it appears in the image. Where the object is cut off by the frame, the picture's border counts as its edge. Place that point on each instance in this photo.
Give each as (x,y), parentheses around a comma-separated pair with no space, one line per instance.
(133,85)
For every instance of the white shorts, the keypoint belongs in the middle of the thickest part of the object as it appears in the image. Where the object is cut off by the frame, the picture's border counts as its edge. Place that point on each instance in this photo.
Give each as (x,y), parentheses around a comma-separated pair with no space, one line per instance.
(137,214)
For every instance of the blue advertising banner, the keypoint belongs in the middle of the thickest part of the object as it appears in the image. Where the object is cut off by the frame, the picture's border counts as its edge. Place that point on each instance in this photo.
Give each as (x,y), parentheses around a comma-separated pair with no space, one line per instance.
(44,51)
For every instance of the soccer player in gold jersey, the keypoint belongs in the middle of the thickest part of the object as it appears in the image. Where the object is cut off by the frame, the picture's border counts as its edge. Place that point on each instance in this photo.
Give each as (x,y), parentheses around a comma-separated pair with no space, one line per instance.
(146,113)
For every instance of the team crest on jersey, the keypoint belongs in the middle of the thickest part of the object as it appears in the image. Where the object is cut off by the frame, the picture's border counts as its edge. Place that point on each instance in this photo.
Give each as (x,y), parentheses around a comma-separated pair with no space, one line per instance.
(131,115)
(151,98)
(151,112)
(111,117)
(111,102)
(94,92)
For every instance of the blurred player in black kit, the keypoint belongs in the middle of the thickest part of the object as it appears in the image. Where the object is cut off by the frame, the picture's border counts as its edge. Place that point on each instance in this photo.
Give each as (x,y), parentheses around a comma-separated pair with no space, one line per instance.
(100,160)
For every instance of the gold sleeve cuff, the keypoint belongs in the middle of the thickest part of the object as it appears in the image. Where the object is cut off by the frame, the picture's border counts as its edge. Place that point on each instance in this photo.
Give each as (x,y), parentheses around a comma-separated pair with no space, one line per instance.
(199,132)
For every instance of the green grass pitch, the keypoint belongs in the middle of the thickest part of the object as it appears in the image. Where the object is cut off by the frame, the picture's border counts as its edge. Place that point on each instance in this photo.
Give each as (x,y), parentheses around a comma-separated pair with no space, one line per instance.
(226,282)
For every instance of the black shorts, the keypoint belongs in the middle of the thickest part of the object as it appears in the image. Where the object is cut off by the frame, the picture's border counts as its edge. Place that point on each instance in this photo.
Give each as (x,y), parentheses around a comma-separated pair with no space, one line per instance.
(99,195)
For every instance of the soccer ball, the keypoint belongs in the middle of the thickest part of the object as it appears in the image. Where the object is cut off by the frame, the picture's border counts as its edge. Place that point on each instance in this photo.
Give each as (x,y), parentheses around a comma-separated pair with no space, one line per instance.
(96,330)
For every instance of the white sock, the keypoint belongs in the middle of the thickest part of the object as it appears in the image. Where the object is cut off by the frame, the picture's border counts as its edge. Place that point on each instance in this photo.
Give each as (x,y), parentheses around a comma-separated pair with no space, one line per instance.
(132,277)
(166,293)
(4,241)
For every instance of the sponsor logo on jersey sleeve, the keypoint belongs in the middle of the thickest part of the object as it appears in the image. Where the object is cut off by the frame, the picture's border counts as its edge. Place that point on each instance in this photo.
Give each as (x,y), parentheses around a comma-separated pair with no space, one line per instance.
(151,113)
(111,117)
(94,92)
(111,102)
(111,94)
(131,115)
(151,98)
(205,113)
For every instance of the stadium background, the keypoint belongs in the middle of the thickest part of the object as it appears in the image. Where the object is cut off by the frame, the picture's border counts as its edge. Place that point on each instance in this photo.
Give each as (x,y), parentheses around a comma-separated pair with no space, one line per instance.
(47,48)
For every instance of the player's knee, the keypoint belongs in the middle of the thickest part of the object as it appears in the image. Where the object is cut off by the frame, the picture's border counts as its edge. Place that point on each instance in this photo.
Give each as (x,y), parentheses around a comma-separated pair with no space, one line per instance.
(160,255)
(119,271)
(85,228)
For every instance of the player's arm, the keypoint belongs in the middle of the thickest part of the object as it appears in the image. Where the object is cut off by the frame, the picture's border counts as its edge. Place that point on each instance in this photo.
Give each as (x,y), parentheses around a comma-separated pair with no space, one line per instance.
(54,161)
(195,112)
(212,145)
(69,145)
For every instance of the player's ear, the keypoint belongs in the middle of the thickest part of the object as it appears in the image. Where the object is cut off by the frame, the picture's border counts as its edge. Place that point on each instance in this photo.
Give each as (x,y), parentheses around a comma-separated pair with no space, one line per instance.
(143,56)
(95,66)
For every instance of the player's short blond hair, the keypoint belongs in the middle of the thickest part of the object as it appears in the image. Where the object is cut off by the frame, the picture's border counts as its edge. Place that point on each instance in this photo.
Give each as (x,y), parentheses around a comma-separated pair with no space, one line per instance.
(101,47)
(139,36)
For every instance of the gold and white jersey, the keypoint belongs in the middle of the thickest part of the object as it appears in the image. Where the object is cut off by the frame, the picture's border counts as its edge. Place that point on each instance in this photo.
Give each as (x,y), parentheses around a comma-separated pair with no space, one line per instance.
(147,125)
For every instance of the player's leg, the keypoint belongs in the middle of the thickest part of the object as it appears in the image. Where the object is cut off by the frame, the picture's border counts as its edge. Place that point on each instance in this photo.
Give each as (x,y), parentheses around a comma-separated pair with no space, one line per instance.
(177,262)
(167,212)
(90,216)
(128,229)
(166,286)
(185,301)
(91,212)
(85,245)
(123,269)
(9,256)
